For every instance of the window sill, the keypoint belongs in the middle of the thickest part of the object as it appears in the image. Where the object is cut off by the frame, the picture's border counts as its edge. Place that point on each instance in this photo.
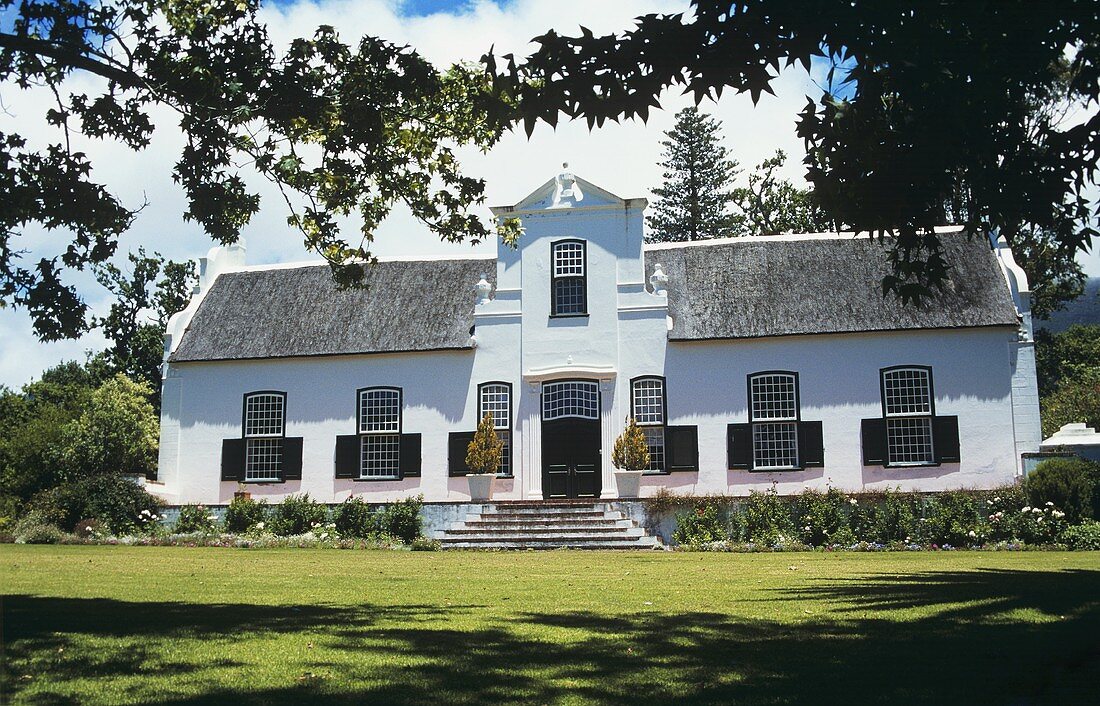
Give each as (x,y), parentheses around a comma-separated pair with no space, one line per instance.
(377,479)
(261,482)
(569,316)
(911,465)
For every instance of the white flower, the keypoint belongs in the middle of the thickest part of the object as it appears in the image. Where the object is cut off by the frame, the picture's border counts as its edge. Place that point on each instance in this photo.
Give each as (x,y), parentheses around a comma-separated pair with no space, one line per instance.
(260,525)
(996,500)
(1035,509)
(807,528)
(1027,508)
(972,533)
(1050,504)
(853,501)
(907,539)
(1059,514)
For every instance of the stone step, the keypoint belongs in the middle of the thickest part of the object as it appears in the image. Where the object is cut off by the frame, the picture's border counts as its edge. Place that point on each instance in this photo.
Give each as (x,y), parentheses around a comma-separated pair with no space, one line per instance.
(555,514)
(570,543)
(533,517)
(548,532)
(542,538)
(491,521)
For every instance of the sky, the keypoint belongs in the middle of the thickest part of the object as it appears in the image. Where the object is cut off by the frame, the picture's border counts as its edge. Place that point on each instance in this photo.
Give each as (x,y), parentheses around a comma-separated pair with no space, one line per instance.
(622,158)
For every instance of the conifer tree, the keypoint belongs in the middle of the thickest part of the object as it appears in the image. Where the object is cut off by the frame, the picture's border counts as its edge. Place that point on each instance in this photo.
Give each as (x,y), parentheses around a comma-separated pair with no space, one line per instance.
(694,200)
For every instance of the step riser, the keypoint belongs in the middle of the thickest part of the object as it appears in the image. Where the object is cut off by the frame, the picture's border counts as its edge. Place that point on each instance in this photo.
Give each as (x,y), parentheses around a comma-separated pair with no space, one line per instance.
(612,532)
(547,526)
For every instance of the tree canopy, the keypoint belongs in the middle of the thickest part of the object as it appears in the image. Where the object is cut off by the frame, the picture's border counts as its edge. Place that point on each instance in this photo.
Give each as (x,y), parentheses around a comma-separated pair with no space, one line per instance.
(341,129)
(920,97)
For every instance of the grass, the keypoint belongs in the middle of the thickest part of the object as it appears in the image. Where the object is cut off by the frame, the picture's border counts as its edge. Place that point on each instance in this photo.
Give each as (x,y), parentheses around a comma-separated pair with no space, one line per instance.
(169,625)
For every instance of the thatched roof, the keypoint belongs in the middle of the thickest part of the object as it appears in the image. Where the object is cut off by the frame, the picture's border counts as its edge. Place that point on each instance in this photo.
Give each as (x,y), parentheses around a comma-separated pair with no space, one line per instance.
(740,288)
(276,313)
(755,287)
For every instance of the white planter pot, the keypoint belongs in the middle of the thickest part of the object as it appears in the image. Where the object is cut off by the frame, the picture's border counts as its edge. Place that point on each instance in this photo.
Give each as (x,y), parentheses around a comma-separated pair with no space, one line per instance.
(629,483)
(481,486)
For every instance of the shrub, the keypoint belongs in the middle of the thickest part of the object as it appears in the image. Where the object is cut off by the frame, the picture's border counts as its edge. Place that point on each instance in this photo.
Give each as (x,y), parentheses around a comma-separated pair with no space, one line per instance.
(353,518)
(196,518)
(243,514)
(823,517)
(89,529)
(893,517)
(401,520)
(297,514)
(1066,482)
(699,526)
(631,452)
(35,528)
(952,518)
(764,519)
(423,544)
(120,504)
(1085,536)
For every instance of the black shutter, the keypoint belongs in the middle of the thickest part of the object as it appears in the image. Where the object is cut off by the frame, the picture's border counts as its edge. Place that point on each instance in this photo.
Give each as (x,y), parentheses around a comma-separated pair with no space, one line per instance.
(458,443)
(347,456)
(945,439)
(738,446)
(682,448)
(292,458)
(873,435)
(811,446)
(410,455)
(233,459)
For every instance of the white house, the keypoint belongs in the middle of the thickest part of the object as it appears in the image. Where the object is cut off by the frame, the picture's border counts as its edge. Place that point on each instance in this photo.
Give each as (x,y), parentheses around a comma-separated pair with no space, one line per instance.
(749,361)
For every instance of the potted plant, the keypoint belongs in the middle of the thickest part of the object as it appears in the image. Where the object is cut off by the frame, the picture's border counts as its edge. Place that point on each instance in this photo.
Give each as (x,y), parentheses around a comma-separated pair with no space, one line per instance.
(631,457)
(483,458)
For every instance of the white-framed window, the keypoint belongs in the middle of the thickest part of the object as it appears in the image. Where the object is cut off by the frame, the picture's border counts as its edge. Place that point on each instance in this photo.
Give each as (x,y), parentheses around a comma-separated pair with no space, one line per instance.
(570,398)
(774,414)
(380,432)
(908,409)
(264,424)
(569,278)
(495,398)
(647,406)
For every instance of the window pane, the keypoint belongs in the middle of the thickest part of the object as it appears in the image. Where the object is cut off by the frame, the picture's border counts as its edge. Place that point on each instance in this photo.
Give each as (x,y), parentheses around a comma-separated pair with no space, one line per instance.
(568,259)
(909,441)
(773,397)
(380,455)
(775,445)
(379,411)
(263,459)
(569,296)
(907,392)
(570,399)
(495,401)
(655,441)
(649,401)
(263,415)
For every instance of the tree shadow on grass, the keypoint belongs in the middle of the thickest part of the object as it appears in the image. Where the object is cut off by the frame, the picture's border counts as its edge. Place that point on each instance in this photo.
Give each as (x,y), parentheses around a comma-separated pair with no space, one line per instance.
(978,637)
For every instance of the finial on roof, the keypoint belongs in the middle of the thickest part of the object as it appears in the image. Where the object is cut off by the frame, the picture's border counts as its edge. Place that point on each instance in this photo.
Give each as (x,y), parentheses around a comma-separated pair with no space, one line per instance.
(566,189)
(483,289)
(658,280)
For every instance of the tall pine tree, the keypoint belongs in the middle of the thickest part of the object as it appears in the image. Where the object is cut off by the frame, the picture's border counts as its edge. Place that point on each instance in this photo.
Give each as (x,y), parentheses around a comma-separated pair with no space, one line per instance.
(694,200)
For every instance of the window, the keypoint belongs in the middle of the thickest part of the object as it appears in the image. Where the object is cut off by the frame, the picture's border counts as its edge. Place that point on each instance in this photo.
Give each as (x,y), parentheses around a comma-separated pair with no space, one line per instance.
(264,423)
(495,398)
(647,405)
(773,415)
(907,407)
(569,283)
(380,432)
(574,398)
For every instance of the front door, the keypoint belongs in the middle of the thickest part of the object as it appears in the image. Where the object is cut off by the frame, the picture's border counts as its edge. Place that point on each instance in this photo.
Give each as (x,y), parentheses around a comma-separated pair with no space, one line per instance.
(571,466)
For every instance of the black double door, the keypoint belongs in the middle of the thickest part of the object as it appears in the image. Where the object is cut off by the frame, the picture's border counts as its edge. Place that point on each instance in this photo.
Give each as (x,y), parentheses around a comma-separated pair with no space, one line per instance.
(571,458)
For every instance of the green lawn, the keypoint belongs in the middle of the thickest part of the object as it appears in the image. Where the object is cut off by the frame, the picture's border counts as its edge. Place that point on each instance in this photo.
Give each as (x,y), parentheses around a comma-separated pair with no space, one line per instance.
(171,625)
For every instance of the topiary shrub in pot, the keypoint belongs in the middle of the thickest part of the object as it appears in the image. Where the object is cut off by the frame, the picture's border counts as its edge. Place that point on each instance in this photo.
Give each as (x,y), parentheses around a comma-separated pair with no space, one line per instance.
(483,459)
(630,456)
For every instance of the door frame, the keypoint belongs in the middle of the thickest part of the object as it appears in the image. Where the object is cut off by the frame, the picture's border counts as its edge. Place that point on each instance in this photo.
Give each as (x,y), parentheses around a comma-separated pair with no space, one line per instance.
(572,481)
